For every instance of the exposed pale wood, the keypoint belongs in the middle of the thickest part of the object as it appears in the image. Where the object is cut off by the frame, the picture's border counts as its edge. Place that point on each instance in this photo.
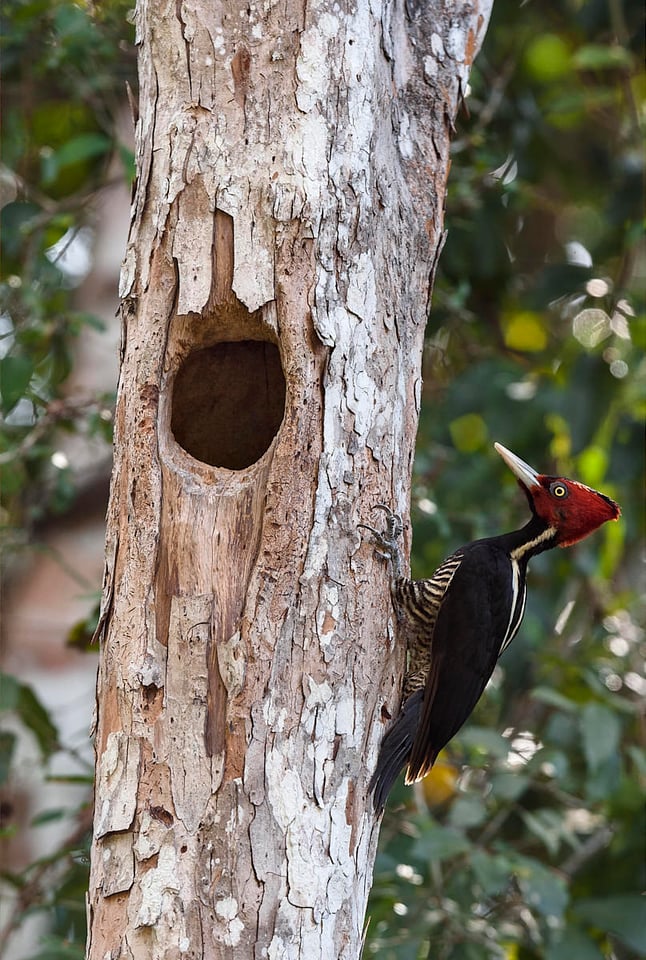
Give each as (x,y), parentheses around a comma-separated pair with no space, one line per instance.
(292,161)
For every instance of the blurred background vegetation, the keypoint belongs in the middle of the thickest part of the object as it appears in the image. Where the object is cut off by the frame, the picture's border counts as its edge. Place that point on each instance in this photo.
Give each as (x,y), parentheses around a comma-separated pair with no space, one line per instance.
(527,839)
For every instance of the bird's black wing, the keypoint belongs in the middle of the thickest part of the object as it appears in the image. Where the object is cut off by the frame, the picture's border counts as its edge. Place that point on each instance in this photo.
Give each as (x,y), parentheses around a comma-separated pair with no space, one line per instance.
(395,748)
(471,625)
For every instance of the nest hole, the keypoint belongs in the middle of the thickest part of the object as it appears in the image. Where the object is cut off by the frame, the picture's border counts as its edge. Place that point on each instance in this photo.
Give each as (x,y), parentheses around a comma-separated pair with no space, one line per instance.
(228,402)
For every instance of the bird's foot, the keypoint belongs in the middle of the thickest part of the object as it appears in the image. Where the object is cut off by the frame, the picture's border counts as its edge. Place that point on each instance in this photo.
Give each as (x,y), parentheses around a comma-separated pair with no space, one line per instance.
(387,541)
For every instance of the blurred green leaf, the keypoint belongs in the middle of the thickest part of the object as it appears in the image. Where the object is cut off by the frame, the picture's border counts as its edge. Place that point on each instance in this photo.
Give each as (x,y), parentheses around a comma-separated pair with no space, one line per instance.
(439,843)
(623,915)
(596,56)
(20,699)
(600,731)
(7,748)
(9,692)
(492,872)
(128,161)
(49,816)
(544,890)
(79,148)
(572,944)
(467,812)
(547,825)
(489,743)
(15,375)
(83,318)
(469,951)
(602,782)
(59,948)
(553,698)
(509,785)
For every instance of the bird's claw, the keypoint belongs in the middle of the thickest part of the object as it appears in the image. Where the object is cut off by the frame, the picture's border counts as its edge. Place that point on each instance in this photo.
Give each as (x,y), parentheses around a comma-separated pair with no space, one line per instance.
(386,541)
(394,525)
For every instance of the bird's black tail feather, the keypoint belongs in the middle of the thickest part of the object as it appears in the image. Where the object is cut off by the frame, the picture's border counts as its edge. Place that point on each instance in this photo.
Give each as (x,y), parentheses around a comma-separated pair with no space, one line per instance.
(395,749)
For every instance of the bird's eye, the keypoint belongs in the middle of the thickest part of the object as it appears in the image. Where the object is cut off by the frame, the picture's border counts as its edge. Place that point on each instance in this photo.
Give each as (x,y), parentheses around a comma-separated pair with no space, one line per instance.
(558,490)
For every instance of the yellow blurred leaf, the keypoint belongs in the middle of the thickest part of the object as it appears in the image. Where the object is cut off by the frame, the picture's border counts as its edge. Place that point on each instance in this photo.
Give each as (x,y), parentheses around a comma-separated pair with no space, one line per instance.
(612,548)
(469,433)
(525,331)
(548,57)
(592,464)
(440,783)
(561,443)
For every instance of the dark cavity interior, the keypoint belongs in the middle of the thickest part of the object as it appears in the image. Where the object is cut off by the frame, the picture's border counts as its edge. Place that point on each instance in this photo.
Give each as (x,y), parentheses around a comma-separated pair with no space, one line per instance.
(228,402)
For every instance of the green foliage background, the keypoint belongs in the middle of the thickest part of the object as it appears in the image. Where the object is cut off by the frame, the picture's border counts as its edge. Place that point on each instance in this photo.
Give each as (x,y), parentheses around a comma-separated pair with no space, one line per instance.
(528,839)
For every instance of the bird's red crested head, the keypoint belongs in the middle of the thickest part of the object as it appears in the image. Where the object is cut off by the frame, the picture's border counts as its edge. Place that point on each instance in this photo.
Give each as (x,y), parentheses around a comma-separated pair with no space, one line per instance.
(571,508)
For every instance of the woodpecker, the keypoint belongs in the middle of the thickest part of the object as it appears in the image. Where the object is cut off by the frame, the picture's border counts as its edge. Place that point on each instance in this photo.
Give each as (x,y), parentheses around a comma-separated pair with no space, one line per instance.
(460,620)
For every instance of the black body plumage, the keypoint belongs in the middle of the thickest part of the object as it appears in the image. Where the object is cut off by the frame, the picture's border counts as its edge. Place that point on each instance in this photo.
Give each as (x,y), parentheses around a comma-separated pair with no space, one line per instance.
(458,623)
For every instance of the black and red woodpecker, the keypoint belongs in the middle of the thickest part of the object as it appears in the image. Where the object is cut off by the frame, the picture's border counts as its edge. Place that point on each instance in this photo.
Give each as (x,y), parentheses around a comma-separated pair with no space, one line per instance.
(460,620)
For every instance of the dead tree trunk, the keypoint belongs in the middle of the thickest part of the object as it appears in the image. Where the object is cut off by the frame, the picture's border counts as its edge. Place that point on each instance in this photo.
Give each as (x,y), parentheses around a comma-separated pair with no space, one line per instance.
(292,160)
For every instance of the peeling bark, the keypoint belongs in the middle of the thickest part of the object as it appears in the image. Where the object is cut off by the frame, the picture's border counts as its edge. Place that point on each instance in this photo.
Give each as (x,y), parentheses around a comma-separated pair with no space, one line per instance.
(292,161)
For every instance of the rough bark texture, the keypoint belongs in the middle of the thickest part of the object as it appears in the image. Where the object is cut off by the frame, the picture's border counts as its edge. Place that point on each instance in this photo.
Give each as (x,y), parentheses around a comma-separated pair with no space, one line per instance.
(292,160)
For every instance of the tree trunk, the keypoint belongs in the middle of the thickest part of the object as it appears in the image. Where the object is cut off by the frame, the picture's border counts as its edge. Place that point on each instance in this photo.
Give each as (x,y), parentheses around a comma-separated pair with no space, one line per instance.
(292,160)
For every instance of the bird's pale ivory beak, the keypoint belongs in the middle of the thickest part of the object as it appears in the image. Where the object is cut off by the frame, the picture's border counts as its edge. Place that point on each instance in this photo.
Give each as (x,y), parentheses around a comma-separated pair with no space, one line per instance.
(526,474)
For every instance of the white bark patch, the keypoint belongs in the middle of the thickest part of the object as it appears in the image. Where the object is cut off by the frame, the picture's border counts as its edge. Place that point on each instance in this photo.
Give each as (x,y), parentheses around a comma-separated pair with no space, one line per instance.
(318,545)
(361,298)
(350,719)
(340,833)
(182,134)
(231,927)
(405,139)
(319,874)
(273,716)
(456,46)
(328,614)
(169,937)
(128,272)
(278,949)
(253,267)
(437,47)
(118,777)
(284,789)
(195,776)
(156,885)
(152,833)
(313,62)
(364,396)
(456,41)
(318,720)
(327,313)
(308,868)
(311,153)
(151,671)
(359,63)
